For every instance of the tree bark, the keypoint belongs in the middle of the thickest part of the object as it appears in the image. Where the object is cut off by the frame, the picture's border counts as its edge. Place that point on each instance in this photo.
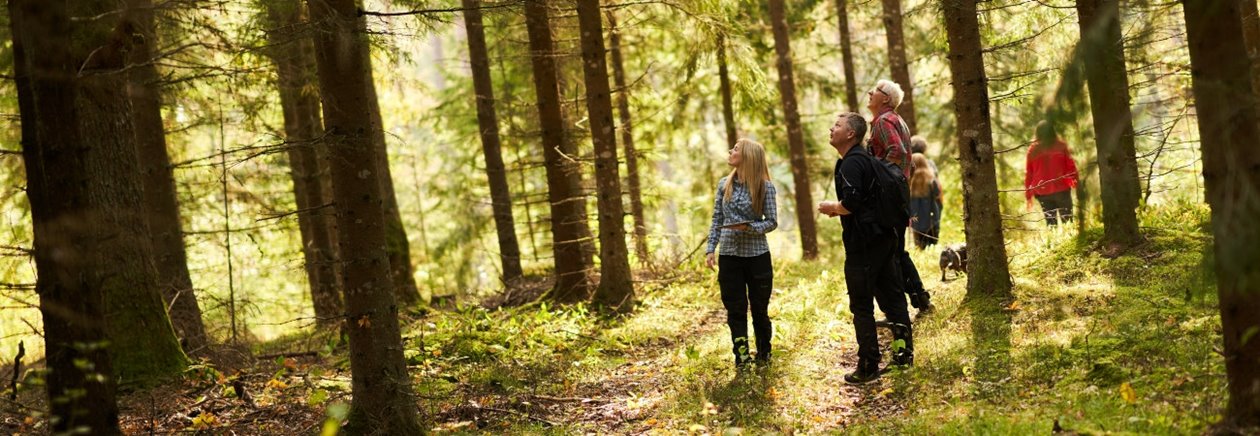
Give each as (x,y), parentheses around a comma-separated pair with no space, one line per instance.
(158,178)
(796,143)
(57,161)
(382,395)
(846,54)
(987,274)
(898,62)
(627,140)
(1227,126)
(616,289)
(1251,35)
(728,104)
(500,194)
(294,56)
(1113,122)
(569,229)
(397,243)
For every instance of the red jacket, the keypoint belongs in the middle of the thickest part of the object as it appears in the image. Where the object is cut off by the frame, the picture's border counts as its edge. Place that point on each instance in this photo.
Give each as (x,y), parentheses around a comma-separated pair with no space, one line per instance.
(1049,171)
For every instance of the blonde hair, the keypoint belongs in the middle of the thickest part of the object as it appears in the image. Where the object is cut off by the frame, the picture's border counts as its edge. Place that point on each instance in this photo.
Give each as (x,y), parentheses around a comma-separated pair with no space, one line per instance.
(752,161)
(921,180)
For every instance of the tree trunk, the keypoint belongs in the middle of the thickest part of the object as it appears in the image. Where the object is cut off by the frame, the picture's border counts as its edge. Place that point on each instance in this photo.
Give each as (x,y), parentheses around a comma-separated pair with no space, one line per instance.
(569,228)
(796,143)
(500,194)
(846,53)
(897,61)
(158,178)
(1251,35)
(728,104)
(1113,122)
(382,395)
(987,274)
(627,140)
(397,244)
(616,289)
(294,55)
(1227,126)
(80,383)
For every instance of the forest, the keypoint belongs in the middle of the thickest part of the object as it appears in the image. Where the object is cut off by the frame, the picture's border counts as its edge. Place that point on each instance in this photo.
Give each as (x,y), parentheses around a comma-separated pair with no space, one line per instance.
(396,217)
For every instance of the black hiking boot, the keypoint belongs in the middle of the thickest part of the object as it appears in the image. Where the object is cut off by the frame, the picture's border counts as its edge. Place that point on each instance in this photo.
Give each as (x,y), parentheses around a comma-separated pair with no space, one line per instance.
(902,358)
(866,372)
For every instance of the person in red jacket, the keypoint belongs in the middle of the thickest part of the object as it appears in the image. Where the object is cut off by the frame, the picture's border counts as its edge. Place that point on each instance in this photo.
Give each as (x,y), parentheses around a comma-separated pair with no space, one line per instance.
(1050,175)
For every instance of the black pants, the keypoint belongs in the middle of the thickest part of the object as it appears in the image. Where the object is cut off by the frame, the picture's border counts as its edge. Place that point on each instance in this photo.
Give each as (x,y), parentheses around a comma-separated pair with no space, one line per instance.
(1057,207)
(872,275)
(909,274)
(746,283)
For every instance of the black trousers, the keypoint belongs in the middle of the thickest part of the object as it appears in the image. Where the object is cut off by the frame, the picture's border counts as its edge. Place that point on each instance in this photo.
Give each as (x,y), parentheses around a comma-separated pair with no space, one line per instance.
(909,274)
(872,275)
(746,283)
(1057,207)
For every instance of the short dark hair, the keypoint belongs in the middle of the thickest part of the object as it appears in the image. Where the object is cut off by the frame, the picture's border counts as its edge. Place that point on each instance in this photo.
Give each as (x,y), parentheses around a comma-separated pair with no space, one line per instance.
(856,123)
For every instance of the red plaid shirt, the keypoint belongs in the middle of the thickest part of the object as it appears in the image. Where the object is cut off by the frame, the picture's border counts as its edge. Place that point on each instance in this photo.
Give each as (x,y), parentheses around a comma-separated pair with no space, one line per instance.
(890,140)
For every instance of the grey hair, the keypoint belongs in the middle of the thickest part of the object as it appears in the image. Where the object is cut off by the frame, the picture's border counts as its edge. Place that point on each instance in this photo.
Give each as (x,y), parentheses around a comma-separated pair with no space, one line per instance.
(918,144)
(895,94)
(856,123)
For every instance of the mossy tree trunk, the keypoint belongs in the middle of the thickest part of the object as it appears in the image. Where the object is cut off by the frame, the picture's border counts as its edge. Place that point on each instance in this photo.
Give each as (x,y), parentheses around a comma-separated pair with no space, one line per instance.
(633,185)
(570,231)
(294,56)
(1231,175)
(382,401)
(796,142)
(1108,83)
(987,273)
(158,177)
(616,290)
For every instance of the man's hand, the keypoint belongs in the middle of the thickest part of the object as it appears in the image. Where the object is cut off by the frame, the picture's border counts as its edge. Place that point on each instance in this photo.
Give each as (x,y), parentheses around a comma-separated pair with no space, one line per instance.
(709,260)
(829,208)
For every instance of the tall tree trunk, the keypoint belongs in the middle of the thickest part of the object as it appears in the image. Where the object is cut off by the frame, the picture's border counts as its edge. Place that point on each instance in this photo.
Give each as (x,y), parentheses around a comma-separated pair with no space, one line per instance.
(1227,126)
(158,177)
(796,143)
(616,289)
(382,400)
(987,274)
(294,55)
(1113,122)
(728,103)
(500,194)
(397,244)
(80,383)
(569,228)
(898,62)
(627,140)
(846,53)
(1251,35)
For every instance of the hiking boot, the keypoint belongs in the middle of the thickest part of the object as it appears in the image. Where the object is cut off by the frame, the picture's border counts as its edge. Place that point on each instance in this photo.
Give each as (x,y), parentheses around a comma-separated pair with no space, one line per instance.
(902,358)
(921,300)
(865,373)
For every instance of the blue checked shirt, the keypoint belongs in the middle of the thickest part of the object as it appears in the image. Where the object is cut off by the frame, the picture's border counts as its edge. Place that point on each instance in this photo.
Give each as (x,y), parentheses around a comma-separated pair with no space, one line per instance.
(737,210)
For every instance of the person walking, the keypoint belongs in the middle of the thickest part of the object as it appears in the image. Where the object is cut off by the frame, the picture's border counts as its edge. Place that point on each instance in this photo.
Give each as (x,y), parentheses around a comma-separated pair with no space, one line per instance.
(925,203)
(870,267)
(744,210)
(890,141)
(1049,175)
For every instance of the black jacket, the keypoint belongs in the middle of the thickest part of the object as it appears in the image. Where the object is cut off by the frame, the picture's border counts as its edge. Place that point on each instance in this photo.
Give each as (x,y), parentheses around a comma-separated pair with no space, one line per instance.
(855,180)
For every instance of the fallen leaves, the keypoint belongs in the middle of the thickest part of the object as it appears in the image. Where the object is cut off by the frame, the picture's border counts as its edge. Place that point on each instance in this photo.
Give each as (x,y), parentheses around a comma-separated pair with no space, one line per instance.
(1127,393)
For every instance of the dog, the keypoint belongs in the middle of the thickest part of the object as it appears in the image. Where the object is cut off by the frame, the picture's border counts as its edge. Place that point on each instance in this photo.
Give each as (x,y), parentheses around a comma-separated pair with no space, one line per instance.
(954,257)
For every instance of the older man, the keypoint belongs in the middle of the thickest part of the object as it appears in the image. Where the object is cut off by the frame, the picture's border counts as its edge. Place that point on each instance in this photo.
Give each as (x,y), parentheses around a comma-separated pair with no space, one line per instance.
(890,141)
(870,267)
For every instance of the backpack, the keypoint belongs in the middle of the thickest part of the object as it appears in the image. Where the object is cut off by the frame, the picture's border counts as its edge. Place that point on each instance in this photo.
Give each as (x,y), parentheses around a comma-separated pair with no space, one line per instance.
(891,193)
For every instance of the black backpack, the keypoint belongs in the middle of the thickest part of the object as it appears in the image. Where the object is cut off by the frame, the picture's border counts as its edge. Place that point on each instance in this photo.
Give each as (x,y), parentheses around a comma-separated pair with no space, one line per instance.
(891,193)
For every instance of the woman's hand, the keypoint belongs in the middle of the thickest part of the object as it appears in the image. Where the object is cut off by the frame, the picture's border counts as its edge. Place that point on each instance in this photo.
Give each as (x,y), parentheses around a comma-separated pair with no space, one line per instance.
(741,228)
(709,260)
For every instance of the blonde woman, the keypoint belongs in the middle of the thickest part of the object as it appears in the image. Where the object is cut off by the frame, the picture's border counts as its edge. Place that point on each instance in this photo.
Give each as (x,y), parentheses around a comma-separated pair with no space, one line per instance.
(925,202)
(744,210)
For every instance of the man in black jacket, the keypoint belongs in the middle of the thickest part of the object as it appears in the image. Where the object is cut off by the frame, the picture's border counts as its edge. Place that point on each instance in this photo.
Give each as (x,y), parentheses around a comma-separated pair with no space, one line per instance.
(870,266)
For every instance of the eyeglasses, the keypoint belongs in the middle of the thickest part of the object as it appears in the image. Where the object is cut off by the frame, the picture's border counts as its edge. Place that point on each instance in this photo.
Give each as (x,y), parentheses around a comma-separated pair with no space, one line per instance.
(880,91)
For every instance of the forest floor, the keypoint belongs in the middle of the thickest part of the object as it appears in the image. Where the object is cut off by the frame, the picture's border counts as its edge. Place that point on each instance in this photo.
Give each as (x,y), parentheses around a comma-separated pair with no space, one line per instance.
(1100,344)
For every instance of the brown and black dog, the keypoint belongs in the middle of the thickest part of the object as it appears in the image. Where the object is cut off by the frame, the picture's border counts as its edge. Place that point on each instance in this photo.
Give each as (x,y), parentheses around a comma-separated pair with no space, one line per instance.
(954,257)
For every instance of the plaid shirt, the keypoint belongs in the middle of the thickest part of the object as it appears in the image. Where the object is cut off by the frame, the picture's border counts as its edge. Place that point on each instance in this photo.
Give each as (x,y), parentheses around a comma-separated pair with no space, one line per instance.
(890,140)
(739,209)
